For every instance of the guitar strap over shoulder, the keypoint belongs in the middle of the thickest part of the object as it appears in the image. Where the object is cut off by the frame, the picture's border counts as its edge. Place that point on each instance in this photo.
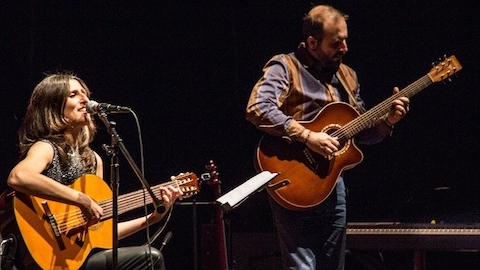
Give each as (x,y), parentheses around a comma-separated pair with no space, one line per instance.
(346,76)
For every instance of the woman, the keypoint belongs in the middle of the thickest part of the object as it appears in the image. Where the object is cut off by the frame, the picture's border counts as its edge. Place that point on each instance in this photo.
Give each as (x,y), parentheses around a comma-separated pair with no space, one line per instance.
(54,147)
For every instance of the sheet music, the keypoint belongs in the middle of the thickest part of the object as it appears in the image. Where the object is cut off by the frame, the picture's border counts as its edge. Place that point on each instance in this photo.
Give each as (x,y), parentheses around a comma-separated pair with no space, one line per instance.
(233,198)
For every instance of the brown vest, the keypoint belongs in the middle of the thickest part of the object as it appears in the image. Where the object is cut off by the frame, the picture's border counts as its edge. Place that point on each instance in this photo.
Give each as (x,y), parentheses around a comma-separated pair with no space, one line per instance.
(345,74)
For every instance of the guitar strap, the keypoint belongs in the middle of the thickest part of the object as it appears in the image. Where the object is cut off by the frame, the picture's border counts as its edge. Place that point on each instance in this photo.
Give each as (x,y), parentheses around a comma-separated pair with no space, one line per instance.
(348,79)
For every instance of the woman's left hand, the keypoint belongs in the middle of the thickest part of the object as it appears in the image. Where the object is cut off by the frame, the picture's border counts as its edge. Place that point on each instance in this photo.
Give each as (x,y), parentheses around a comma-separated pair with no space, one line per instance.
(169,194)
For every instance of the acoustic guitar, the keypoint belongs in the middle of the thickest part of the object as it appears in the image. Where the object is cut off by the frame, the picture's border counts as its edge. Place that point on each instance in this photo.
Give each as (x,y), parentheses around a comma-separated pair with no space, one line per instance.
(56,234)
(306,178)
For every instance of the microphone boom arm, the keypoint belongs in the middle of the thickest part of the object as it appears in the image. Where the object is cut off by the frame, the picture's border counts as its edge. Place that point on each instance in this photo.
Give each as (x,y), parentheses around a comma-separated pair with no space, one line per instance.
(116,140)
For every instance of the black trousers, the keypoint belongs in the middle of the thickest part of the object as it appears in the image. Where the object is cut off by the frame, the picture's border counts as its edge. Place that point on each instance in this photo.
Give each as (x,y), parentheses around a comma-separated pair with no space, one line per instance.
(129,258)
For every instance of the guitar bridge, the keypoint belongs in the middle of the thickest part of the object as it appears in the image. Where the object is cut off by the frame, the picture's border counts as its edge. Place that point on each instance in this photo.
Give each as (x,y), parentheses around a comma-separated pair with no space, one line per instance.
(53,225)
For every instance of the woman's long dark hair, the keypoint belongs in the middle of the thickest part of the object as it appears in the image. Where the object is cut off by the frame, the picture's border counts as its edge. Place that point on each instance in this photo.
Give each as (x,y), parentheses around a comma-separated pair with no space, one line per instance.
(44,119)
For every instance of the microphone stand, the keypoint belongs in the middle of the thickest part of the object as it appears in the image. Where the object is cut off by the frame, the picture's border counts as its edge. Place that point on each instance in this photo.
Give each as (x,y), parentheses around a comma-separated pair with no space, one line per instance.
(117,143)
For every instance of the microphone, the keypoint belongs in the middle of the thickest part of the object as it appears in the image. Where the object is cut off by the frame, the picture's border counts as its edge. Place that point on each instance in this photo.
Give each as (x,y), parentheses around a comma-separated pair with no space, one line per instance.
(166,239)
(94,107)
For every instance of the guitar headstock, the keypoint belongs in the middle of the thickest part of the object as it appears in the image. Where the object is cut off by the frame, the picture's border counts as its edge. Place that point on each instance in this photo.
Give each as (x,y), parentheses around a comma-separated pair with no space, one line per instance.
(213,179)
(213,173)
(445,69)
(187,183)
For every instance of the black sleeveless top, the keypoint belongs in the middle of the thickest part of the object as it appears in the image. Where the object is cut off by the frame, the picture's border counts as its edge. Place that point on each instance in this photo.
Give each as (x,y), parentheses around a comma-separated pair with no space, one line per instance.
(66,173)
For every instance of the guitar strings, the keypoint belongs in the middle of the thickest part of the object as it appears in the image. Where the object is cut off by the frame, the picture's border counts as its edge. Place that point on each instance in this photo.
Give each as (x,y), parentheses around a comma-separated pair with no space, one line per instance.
(75,219)
(368,118)
(131,199)
(352,128)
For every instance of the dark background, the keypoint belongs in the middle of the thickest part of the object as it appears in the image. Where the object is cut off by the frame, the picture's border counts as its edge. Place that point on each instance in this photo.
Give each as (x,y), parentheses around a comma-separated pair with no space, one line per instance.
(187,68)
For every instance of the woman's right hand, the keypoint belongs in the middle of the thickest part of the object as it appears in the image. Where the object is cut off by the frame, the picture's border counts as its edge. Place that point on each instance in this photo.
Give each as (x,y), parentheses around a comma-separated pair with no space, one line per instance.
(90,209)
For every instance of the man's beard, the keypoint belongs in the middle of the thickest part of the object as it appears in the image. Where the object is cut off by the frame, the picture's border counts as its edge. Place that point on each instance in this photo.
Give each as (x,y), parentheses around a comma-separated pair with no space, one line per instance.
(332,66)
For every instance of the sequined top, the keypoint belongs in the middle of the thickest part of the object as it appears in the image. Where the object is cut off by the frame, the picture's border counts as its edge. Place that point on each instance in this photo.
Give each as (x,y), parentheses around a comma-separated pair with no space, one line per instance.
(66,173)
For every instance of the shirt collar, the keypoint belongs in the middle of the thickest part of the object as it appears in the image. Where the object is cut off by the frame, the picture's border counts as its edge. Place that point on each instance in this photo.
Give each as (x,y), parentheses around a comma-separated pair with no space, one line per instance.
(311,64)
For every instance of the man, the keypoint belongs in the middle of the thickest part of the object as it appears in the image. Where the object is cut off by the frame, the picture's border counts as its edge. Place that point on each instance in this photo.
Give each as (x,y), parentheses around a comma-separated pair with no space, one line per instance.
(295,87)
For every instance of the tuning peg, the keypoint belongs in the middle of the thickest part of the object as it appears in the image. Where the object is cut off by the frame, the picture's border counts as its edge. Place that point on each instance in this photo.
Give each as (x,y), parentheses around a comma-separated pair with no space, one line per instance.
(205,177)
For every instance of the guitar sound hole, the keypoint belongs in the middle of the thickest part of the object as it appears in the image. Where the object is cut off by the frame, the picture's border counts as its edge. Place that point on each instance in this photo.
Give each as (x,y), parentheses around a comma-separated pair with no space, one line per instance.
(342,139)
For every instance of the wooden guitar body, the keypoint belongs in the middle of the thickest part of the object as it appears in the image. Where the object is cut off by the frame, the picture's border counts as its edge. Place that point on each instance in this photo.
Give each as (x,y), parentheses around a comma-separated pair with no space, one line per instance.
(65,250)
(306,178)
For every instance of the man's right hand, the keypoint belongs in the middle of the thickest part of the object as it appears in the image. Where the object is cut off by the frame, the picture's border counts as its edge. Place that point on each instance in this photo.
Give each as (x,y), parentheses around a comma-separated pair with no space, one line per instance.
(322,143)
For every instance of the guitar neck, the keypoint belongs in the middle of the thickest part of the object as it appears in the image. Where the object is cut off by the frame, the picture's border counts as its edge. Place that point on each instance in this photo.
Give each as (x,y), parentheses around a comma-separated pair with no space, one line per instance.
(368,118)
(132,200)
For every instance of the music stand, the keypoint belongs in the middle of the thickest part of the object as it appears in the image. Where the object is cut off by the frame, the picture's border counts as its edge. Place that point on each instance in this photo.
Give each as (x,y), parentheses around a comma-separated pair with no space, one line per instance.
(235,197)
